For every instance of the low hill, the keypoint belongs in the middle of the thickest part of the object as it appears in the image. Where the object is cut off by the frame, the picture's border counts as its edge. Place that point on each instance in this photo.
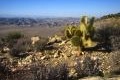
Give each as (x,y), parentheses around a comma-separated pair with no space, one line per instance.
(108,21)
(117,15)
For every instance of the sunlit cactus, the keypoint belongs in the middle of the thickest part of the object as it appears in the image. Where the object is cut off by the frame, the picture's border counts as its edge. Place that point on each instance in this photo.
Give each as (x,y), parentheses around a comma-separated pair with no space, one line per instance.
(69,31)
(82,35)
(78,33)
(87,31)
(68,34)
(76,41)
(91,28)
(84,20)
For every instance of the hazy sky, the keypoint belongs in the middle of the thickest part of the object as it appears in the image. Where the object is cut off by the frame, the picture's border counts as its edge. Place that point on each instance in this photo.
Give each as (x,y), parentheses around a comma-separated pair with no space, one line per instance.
(58,8)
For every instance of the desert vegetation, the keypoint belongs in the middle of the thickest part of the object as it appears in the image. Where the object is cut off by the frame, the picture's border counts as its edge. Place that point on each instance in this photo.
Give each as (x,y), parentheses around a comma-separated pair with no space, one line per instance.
(78,51)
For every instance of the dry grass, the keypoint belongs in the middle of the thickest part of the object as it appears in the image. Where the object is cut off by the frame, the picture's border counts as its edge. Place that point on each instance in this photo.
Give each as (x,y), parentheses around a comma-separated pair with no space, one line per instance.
(31,31)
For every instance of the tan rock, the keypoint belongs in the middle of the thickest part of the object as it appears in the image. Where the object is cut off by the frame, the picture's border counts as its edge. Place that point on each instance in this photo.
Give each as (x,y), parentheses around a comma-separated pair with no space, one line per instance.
(94,58)
(62,43)
(76,53)
(56,55)
(54,39)
(72,73)
(43,57)
(6,49)
(35,39)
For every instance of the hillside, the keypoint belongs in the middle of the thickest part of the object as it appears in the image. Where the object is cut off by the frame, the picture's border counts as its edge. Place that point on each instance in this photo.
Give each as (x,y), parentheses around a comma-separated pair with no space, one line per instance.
(69,56)
(108,20)
(117,15)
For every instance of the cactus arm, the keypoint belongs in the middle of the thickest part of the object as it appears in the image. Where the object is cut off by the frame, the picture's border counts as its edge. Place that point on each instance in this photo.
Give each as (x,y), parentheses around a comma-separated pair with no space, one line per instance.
(84,20)
(83,30)
(68,34)
(91,28)
(76,41)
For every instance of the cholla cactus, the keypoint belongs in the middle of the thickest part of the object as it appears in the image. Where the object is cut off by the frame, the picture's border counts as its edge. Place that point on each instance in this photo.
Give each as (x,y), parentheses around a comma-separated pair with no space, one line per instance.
(69,31)
(87,31)
(81,36)
(76,41)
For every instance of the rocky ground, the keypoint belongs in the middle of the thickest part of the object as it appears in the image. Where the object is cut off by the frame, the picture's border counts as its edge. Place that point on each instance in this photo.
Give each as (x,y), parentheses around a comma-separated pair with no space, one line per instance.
(64,58)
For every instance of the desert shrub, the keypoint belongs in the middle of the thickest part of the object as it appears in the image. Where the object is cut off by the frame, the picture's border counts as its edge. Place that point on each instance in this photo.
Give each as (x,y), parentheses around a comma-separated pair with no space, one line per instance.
(40,71)
(21,47)
(49,72)
(115,62)
(1,44)
(88,67)
(20,75)
(11,38)
(14,35)
(115,42)
(109,37)
(111,64)
(41,44)
(4,68)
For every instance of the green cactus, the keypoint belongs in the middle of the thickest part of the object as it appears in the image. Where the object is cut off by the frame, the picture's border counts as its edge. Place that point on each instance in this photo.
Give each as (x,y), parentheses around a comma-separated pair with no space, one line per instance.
(91,28)
(68,34)
(87,30)
(82,35)
(76,41)
(78,33)
(69,31)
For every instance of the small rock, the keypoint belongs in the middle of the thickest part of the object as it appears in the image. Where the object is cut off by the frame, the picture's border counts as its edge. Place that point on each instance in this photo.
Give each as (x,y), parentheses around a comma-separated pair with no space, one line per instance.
(43,57)
(35,39)
(62,43)
(94,58)
(82,53)
(38,54)
(52,40)
(72,73)
(56,55)
(58,38)
(76,53)
(5,50)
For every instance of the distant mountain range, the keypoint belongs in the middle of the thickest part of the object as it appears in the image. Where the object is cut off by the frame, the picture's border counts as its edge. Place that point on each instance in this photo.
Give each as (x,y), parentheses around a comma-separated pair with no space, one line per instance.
(31,22)
(47,22)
